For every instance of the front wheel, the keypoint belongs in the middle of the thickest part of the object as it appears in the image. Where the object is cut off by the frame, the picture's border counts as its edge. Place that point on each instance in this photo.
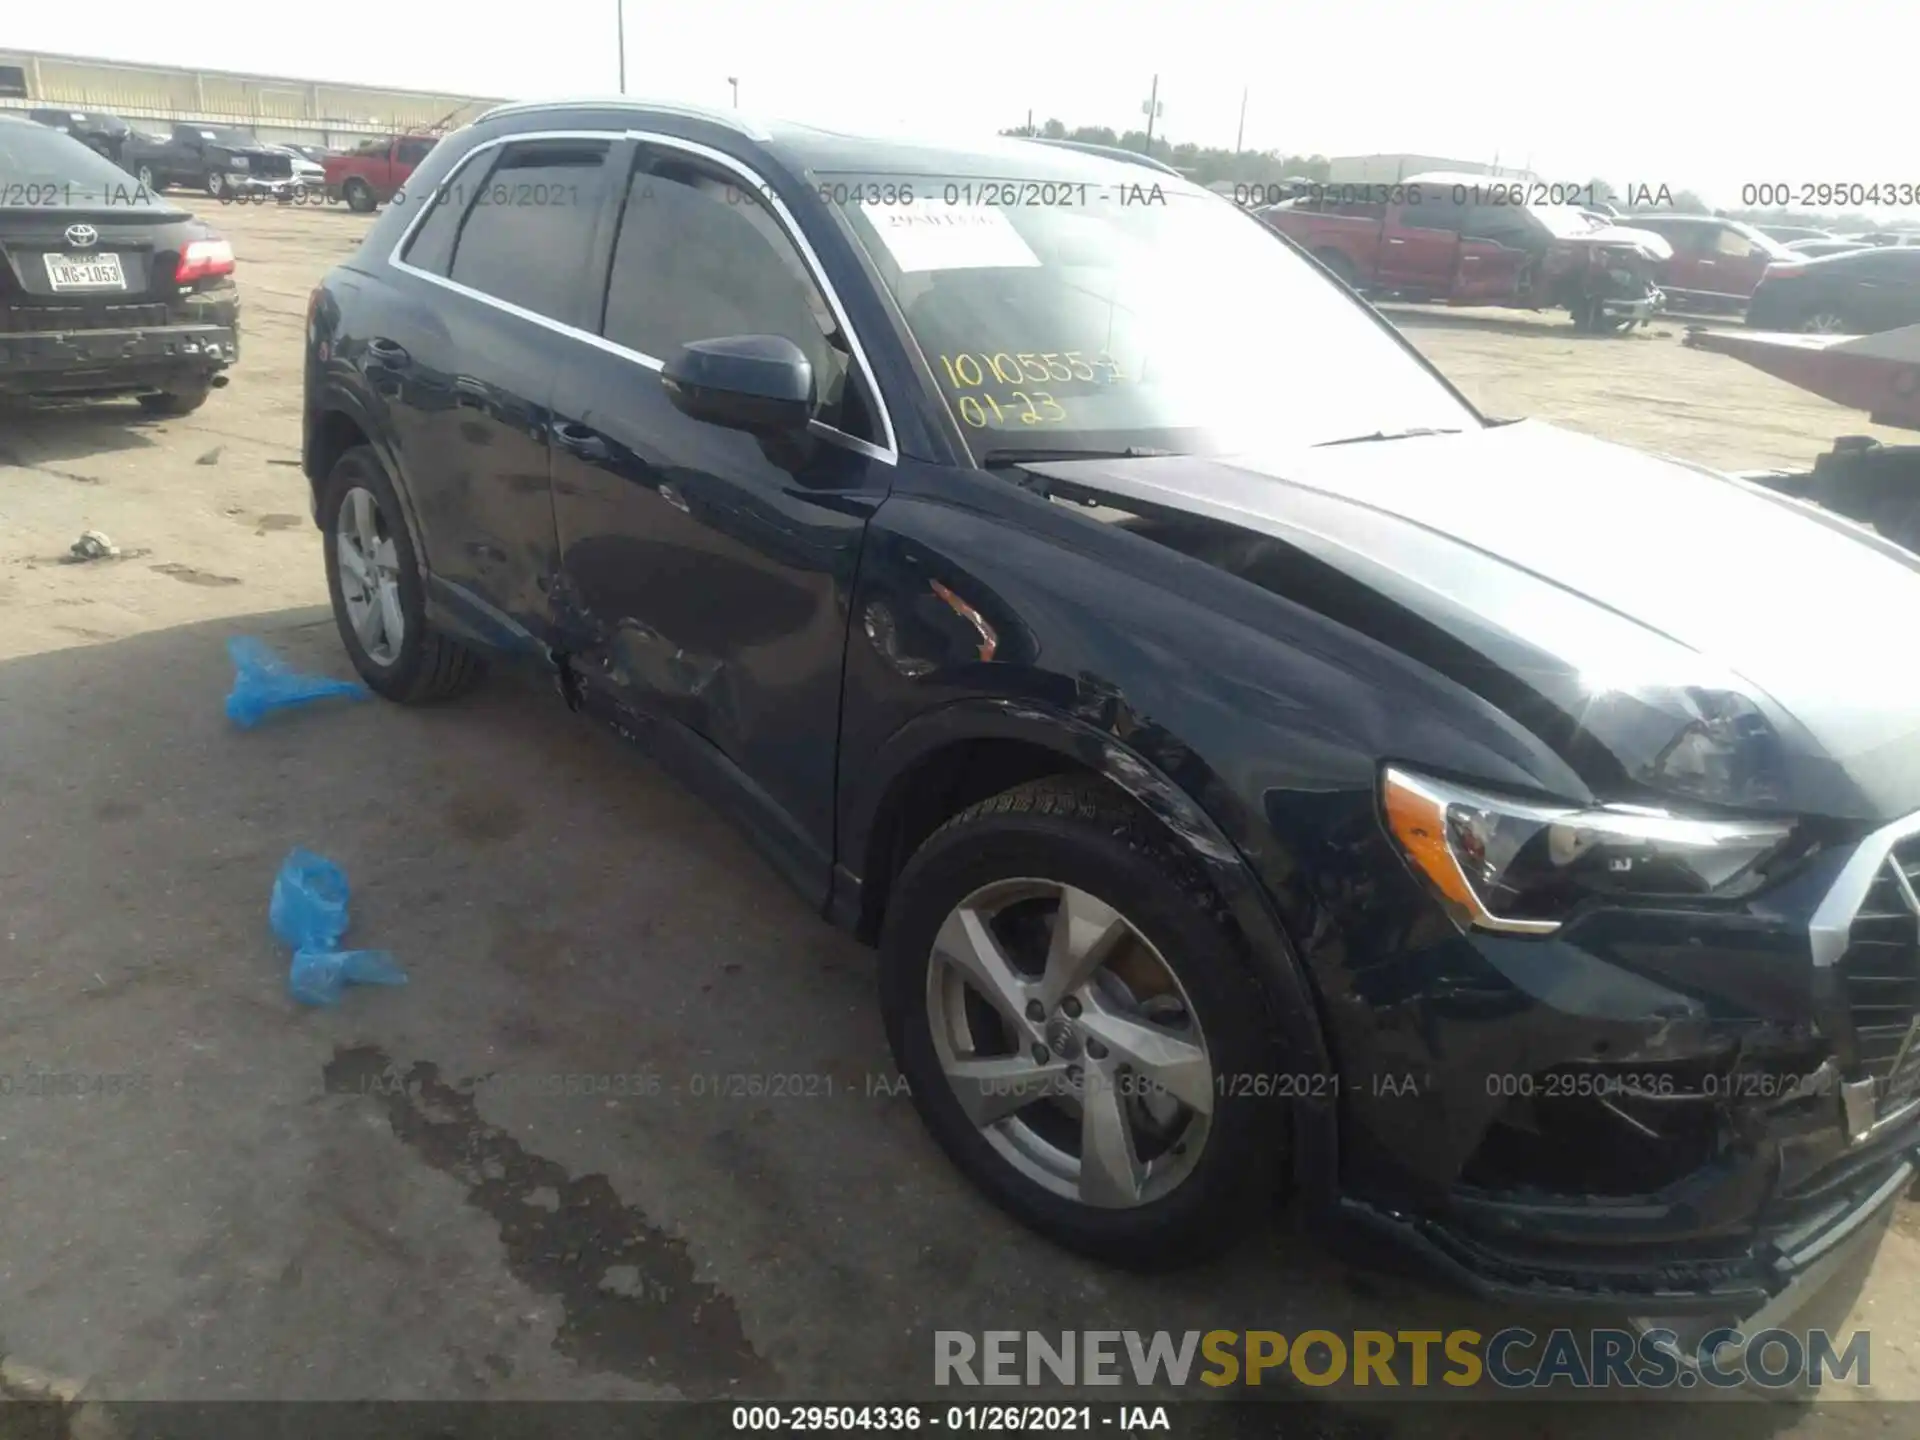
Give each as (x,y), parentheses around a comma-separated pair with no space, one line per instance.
(374,582)
(1825,320)
(216,184)
(1077,1024)
(147,180)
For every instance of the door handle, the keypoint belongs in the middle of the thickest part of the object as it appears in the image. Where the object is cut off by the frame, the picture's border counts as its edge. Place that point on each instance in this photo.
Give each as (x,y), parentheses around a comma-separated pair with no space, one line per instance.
(1392,241)
(389,353)
(579,440)
(470,393)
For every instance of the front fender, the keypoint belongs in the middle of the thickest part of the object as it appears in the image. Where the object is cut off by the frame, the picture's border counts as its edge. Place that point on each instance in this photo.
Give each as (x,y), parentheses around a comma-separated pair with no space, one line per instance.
(1295,1015)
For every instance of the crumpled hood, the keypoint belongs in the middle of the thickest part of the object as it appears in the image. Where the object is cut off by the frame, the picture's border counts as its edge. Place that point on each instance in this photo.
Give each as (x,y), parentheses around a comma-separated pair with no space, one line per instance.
(1612,581)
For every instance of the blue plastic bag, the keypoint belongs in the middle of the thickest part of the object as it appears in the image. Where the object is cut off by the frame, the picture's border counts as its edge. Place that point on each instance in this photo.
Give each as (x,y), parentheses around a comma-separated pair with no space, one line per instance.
(318,976)
(263,683)
(308,911)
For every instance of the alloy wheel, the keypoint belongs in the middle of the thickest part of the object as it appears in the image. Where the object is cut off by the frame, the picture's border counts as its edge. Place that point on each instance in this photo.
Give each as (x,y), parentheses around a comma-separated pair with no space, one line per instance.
(1070,1043)
(1824,322)
(370,576)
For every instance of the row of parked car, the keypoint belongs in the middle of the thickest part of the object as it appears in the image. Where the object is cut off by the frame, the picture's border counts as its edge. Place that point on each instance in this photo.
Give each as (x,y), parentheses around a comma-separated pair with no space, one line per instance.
(1462,239)
(1252,788)
(225,162)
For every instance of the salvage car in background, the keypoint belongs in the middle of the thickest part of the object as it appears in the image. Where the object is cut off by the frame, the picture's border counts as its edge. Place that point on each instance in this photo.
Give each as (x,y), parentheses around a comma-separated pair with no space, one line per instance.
(105,288)
(1459,240)
(1716,263)
(1246,778)
(100,132)
(1856,292)
(1815,249)
(370,175)
(214,158)
(1788,234)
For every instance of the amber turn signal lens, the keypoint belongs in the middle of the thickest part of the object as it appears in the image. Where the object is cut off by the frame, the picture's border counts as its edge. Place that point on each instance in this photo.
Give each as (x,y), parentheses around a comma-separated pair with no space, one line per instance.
(1418,821)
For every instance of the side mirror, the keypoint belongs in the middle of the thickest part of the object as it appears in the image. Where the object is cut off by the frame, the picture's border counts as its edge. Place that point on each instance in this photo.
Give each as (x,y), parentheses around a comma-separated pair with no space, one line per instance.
(762,384)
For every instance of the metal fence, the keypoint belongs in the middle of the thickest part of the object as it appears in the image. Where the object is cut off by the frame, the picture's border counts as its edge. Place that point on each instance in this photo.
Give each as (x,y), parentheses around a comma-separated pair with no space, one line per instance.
(308,111)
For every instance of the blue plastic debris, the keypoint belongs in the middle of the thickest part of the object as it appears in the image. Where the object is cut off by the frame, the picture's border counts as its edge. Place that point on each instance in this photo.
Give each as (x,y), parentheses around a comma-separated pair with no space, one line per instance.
(318,976)
(309,905)
(263,683)
(308,911)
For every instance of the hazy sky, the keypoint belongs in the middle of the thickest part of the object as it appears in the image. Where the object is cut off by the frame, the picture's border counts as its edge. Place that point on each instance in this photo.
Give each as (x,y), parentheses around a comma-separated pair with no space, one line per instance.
(1775,92)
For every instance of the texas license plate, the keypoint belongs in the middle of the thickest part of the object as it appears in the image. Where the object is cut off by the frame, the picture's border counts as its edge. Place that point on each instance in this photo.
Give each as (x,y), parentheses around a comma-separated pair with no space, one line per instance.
(85,272)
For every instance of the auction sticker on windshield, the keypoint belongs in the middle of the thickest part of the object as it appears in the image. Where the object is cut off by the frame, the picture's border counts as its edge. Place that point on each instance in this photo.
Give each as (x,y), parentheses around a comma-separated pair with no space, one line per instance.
(928,234)
(85,272)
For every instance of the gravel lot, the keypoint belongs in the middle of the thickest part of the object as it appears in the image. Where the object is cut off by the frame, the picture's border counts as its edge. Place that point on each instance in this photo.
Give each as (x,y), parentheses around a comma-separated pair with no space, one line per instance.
(269,1214)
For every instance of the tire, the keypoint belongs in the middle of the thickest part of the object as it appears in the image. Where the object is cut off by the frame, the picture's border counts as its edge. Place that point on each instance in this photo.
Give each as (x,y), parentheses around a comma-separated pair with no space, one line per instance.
(216,184)
(148,181)
(182,401)
(425,665)
(1077,832)
(359,197)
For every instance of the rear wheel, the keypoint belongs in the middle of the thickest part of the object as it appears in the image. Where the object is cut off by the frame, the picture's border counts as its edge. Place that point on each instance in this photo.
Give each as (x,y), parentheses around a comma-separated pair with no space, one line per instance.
(359,196)
(181,400)
(1825,320)
(216,184)
(147,180)
(1070,1008)
(373,579)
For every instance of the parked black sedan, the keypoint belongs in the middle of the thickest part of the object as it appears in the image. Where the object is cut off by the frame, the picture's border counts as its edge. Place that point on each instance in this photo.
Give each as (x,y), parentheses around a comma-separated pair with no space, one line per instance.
(1854,292)
(1256,768)
(104,288)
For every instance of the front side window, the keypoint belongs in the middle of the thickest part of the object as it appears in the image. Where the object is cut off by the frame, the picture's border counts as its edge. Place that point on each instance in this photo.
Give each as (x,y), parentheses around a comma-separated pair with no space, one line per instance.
(526,230)
(1137,311)
(413,151)
(698,257)
(1435,209)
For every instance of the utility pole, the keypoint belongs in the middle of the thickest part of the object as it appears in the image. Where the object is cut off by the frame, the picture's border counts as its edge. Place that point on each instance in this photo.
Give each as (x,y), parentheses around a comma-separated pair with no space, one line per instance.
(620,27)
(1240,135)
(1029,122)
(1153,109)
(734,81)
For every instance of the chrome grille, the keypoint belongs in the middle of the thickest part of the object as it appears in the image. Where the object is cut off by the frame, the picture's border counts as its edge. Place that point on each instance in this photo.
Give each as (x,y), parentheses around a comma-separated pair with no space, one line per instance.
(1879,975)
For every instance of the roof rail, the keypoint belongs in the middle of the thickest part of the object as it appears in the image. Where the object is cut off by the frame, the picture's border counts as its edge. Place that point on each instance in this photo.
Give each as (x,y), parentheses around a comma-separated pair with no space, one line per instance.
(732,119)
(1112,152)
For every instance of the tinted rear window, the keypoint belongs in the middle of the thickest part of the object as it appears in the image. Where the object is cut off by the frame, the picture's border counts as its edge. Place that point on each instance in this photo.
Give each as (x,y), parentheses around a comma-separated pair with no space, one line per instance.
(40,167)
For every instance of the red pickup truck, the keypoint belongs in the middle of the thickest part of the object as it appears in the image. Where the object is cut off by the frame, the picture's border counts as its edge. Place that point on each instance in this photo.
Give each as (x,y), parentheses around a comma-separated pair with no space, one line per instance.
(1481,240)
(371,175)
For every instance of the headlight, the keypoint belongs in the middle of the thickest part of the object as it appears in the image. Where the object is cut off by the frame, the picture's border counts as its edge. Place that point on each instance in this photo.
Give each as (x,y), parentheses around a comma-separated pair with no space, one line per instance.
(1521,866)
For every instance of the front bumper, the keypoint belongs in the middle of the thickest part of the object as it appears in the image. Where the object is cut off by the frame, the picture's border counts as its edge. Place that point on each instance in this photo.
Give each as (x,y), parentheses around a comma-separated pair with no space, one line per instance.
(113,361)
(1648,1112)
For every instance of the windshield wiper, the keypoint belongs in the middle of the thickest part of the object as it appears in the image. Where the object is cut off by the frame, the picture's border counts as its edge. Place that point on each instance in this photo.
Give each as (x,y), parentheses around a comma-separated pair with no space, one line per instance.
(1015,455)
(1414,433)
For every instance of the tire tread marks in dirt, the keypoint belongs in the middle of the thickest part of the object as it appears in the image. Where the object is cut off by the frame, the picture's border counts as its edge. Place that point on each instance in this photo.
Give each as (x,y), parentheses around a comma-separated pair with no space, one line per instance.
(669,1328)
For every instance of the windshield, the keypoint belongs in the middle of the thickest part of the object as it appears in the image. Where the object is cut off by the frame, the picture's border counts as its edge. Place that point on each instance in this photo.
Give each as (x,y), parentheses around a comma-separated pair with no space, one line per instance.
(1074,316)
(41,167)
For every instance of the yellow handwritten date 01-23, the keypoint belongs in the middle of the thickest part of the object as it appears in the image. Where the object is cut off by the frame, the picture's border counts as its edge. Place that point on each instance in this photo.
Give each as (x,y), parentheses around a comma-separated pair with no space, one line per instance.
(966,373)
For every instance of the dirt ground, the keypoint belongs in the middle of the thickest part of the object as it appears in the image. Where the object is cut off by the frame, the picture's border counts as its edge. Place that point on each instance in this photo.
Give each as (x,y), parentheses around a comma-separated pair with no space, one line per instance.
(256,1207)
